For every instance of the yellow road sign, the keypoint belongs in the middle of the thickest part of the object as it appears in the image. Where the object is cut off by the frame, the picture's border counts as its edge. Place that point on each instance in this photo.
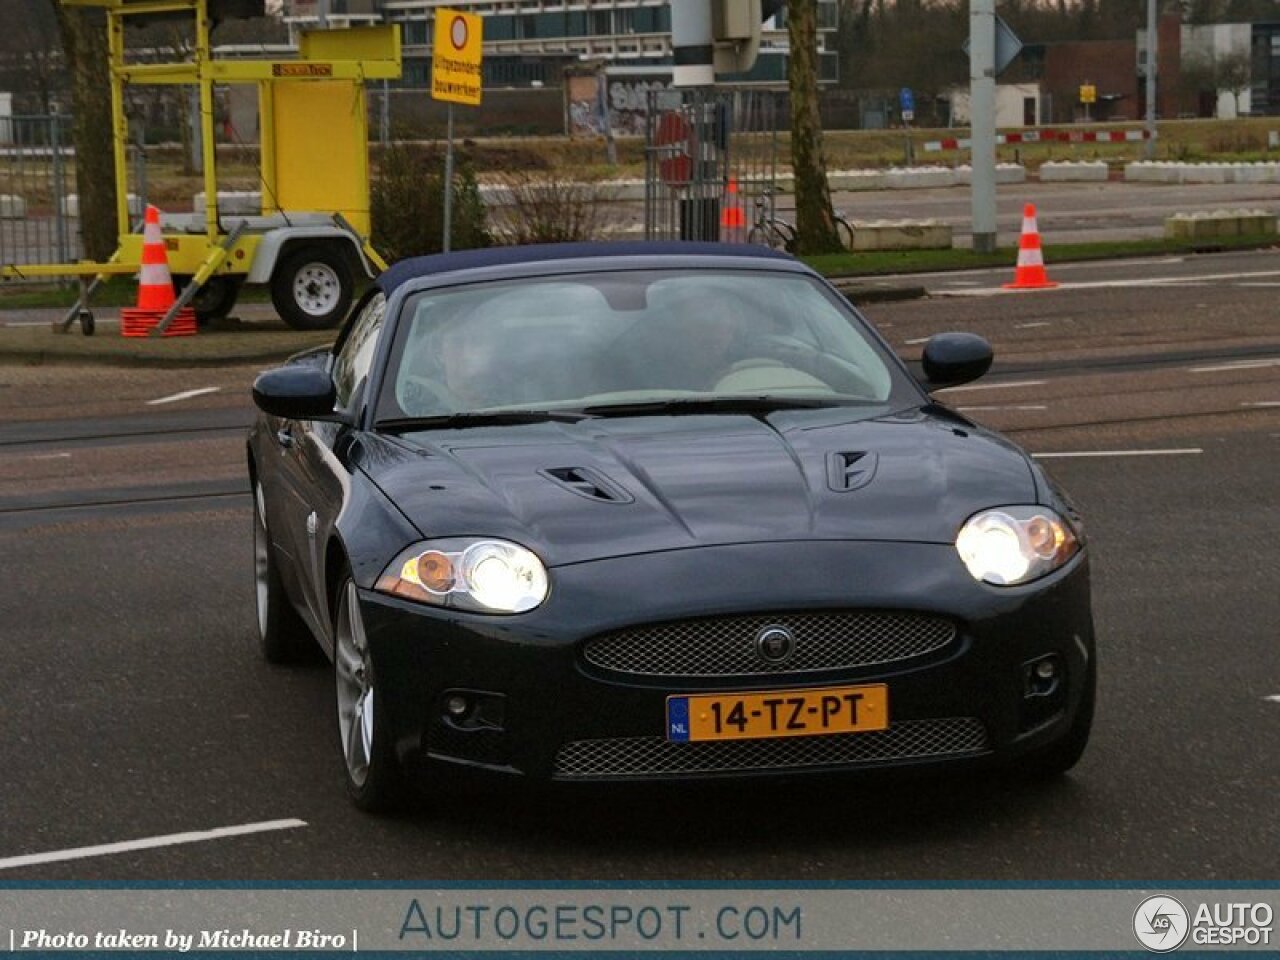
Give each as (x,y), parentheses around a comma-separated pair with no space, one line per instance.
(1088,93)
(456,56)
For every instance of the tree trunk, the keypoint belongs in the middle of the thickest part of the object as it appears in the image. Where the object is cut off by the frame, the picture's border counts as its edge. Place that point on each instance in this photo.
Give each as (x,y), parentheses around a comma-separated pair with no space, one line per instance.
(84,42)
(815,220)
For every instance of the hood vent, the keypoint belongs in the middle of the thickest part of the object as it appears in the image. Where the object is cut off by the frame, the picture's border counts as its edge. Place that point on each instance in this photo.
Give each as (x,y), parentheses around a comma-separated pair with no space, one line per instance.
(850,470)
(587,483)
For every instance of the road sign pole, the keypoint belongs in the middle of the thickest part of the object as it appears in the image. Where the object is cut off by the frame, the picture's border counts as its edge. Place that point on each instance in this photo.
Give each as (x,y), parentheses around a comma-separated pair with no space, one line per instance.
(982,108)
(448,183)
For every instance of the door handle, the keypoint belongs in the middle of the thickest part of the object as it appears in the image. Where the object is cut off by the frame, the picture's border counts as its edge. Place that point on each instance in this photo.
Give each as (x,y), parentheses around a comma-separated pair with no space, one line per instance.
(284,437)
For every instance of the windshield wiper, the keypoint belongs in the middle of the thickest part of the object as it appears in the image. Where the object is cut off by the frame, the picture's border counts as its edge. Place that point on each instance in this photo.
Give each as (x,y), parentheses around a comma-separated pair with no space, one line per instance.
(694,405)
(482,418)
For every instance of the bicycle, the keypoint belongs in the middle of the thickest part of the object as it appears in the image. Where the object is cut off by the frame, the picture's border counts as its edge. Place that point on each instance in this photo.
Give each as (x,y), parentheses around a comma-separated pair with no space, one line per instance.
(844,230)
(769,230)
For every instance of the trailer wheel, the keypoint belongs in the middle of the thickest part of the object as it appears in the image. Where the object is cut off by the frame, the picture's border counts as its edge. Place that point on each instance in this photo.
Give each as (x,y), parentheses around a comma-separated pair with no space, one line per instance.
(311,288)
(216,299)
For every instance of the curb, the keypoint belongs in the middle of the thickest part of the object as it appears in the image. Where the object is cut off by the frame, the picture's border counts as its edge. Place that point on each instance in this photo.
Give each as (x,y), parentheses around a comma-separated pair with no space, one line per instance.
(858,295)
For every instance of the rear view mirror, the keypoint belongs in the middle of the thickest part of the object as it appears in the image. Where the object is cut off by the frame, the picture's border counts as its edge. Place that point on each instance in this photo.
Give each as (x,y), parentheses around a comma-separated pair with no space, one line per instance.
(951,359)
(295,392)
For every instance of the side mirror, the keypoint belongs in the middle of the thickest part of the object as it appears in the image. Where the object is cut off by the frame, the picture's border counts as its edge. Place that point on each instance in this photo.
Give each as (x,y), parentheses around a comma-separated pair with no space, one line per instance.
(295,392)
(951,359)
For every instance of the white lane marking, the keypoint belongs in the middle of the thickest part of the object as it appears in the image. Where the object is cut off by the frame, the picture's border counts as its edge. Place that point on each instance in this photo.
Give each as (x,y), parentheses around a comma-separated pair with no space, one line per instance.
(1106,284)
(148,843)
(912,343)
(1259,284)
(51,456)
(996,386)
(1028,326)
(1274,698)
(1024,406)
(1263,403)
(1238,365)
(1062,455)
(184,395)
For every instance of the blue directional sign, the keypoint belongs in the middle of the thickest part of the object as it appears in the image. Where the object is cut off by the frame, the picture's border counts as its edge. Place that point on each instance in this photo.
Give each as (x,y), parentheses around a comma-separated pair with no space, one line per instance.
(906,100)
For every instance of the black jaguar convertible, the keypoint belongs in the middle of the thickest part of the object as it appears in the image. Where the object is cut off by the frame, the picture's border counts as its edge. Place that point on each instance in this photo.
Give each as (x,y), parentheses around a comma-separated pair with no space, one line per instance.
(658,511)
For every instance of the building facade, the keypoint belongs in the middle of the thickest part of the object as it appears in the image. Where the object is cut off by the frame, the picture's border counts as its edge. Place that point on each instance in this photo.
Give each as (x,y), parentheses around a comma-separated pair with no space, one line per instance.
(529,43)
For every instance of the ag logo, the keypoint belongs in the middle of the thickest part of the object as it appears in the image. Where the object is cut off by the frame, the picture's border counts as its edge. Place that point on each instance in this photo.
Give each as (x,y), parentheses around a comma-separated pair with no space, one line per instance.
(1161,924)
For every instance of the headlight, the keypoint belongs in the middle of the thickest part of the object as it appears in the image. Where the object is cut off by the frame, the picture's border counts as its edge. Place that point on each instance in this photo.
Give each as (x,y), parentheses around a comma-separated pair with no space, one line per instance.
(1011,545)
(488,576)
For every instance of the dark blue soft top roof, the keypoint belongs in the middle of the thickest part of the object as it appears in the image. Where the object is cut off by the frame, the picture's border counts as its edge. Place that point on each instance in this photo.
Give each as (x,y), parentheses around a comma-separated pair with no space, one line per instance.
(414,267)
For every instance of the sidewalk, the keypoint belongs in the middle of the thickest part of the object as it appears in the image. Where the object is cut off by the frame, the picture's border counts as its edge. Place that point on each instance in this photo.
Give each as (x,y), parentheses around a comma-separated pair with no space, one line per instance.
(255,335)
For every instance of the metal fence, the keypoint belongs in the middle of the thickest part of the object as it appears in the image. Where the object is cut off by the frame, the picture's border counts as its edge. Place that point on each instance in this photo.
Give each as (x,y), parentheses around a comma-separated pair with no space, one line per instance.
(711,160)
(37,182)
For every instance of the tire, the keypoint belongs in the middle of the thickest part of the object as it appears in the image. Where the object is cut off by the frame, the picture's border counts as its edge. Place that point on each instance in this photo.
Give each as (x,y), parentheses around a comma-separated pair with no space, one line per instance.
(311,288)
(768,235)
(1059,757)
(844,230)
(375,782)
(216,299)
(282,635)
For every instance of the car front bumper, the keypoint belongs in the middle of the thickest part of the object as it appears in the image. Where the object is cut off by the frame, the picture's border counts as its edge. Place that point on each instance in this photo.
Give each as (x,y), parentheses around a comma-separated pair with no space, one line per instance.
(536,707)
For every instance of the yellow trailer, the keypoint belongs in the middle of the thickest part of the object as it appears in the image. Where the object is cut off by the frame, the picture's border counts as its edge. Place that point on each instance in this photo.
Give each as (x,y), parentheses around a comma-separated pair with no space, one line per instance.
(311,238)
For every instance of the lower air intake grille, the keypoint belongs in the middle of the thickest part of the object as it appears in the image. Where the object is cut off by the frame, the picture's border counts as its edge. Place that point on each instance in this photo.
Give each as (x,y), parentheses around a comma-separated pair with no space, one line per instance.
(726,646)
(654,756)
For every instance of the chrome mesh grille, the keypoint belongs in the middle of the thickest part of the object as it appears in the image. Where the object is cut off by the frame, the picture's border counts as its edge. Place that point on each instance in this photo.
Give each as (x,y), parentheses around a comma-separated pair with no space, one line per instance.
(726,646)
(651,756)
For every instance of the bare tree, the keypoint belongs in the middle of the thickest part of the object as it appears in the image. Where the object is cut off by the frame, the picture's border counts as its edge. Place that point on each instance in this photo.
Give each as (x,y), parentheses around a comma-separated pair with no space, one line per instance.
(1233,72)
(84,45)
(815,219)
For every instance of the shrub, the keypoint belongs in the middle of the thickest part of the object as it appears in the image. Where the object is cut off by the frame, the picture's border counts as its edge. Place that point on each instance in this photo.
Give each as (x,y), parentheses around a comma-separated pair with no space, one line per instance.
(541,207)
(407,203)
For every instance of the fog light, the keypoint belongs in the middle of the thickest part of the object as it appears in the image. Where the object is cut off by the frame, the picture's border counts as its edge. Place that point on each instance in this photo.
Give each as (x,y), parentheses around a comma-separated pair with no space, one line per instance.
(457,705)
(1042,677)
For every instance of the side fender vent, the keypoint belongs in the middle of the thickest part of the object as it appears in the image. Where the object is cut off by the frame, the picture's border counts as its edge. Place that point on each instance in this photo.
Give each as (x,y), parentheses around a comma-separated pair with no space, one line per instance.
(850,470)
(587,483)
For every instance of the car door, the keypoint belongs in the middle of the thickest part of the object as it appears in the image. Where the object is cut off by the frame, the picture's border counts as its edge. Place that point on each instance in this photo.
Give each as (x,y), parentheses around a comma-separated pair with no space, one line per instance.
(313,469)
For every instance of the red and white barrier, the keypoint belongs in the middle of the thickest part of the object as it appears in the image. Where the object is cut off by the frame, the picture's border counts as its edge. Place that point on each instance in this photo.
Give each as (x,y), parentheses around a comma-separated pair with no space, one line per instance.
(1042,136)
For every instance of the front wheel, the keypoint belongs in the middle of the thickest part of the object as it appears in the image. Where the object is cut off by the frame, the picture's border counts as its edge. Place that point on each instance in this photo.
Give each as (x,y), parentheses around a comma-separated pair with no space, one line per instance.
(374,780)
(311,288)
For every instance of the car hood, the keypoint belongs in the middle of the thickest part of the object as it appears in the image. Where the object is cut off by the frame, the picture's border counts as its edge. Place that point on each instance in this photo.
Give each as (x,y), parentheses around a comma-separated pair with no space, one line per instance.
(610,487)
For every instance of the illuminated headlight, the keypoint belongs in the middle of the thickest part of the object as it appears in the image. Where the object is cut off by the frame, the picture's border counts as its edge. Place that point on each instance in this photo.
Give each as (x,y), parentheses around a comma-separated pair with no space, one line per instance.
(487,576)
(1011,545)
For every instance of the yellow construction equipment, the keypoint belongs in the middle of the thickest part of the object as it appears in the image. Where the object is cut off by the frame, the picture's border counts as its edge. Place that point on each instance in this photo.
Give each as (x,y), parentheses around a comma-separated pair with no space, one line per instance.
(311,238)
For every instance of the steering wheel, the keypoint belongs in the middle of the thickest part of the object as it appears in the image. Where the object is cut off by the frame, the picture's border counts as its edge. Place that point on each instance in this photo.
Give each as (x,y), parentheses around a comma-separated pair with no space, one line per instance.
(840,375)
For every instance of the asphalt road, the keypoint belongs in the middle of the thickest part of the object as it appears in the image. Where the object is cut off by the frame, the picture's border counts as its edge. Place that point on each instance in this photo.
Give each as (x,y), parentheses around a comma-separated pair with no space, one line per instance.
(134,705)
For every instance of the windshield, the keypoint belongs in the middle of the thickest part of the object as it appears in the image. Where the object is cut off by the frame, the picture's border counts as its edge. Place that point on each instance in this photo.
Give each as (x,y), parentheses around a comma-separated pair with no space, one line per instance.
(621,339)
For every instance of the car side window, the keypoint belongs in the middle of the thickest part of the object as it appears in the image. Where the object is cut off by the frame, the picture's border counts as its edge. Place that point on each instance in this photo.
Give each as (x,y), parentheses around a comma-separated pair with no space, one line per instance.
(352,363)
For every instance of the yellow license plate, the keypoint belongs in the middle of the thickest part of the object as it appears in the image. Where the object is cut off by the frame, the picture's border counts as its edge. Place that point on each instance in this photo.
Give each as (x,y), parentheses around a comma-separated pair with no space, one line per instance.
(778,713)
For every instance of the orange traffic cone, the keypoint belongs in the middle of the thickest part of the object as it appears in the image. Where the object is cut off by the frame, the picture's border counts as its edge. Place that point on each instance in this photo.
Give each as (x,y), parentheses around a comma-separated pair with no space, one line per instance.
(1029,274)
(155,289)
(732,217)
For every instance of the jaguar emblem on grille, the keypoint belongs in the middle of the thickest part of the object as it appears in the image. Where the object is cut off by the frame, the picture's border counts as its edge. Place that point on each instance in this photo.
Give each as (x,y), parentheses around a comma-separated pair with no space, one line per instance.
(775,644)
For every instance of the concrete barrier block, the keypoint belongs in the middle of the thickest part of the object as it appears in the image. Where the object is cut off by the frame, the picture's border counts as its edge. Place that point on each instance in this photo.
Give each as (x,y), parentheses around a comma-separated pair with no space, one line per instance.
(856,180)
(243,202)
(70,205)
(1005,173)
(901,235)
(1217,224)
(12,207)
(1062,171)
